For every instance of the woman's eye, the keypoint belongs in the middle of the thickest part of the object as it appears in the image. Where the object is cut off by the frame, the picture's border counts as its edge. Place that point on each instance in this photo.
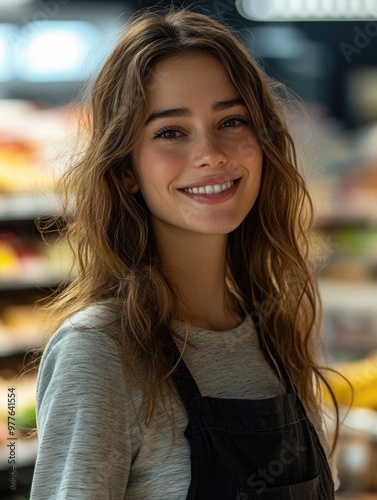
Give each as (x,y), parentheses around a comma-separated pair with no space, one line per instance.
(233,122)
(168,134)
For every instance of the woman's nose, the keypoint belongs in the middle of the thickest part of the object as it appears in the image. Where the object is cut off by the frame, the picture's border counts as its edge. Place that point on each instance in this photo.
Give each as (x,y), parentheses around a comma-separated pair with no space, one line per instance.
(207,152)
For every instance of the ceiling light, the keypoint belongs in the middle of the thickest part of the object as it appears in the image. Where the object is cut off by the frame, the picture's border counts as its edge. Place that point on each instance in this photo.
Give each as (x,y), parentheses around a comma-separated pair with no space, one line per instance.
(302,10)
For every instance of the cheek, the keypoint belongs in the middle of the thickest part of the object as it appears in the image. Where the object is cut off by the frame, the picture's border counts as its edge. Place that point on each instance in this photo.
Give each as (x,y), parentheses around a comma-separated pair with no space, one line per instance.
(154,174)
(143,165)
(155,161)
(249,150)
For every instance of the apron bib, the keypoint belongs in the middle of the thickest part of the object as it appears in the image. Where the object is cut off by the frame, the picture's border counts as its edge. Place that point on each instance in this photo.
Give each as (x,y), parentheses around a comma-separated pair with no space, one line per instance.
(251,449)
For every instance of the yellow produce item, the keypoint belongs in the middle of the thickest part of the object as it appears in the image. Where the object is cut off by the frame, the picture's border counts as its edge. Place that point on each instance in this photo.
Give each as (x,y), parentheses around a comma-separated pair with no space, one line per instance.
(362,374)
(9,263)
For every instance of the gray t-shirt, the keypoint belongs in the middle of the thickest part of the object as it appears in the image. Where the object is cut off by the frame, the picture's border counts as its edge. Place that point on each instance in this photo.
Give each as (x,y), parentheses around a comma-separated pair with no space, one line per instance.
(91,446)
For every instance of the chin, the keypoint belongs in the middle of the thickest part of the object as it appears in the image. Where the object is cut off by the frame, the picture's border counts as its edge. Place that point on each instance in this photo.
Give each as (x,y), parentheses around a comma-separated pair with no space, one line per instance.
(220,230)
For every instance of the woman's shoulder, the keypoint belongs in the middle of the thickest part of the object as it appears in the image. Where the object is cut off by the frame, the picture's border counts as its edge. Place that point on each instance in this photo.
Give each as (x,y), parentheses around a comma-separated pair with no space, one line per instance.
(87,333)
(82,355)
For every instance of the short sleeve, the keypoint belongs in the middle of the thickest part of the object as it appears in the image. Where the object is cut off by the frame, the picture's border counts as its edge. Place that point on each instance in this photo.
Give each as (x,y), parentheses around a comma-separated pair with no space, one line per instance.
(85,449)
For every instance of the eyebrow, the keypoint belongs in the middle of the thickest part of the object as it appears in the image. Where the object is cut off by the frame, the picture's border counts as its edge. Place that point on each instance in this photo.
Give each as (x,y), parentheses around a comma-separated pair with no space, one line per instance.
(185,112)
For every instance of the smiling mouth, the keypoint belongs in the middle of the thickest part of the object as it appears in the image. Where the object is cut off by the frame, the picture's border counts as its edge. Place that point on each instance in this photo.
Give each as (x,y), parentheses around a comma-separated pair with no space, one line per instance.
(211,189)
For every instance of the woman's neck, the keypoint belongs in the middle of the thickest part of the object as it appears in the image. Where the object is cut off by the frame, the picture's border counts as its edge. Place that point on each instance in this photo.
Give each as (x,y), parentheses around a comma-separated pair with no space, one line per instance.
(196,266)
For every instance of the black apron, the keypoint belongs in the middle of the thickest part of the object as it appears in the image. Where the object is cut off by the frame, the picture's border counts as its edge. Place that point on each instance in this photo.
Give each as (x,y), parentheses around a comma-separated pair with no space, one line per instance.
(251,449)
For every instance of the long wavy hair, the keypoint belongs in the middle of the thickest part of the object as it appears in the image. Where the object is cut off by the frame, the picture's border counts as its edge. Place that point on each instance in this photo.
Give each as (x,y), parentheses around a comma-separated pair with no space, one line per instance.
(109,227)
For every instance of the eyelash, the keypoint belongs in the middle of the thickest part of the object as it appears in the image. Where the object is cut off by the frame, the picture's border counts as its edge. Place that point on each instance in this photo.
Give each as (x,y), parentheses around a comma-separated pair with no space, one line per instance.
(163,130)
(240,119)
(159,134)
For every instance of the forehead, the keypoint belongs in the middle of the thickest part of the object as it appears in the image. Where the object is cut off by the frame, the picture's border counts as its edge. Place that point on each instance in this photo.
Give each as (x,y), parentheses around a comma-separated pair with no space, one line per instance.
(189,79)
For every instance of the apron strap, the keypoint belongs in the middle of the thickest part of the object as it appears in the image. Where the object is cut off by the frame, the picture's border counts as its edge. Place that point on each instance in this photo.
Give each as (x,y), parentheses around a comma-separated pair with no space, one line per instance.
(271,352)
(183,380)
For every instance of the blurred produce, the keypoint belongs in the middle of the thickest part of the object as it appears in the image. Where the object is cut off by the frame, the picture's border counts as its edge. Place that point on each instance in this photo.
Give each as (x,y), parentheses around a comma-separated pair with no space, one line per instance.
(34,144)
(362,375)
(21,326)
(27,260)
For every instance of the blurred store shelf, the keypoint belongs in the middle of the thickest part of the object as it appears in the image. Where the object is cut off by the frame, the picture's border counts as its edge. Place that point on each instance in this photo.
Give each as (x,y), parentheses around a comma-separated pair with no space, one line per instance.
(26,206)
(356,496)
(48,281)
(357,296)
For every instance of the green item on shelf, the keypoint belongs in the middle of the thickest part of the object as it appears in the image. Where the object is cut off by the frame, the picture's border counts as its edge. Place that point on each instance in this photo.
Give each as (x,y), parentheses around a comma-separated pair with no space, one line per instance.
(26,419)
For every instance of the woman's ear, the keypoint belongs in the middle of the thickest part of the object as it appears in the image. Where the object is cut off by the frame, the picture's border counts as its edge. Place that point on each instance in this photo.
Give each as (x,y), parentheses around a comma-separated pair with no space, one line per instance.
(130,182)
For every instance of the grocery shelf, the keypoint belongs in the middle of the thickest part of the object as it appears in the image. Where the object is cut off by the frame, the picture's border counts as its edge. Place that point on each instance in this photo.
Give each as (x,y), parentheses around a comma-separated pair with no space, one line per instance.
(356,496)
(346,220)
(32,282)
(17,349)
(25,206)
(356,296)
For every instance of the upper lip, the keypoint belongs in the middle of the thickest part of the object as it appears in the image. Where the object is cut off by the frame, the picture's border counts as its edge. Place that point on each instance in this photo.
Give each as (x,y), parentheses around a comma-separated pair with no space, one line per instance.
(211,181)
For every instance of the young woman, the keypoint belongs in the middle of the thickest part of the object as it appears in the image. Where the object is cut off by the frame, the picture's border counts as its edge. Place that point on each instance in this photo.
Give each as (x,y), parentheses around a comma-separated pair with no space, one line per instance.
(184,363)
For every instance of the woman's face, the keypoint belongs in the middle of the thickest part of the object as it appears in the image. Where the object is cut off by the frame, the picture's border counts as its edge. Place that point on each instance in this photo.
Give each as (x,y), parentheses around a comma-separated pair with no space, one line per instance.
(197,162)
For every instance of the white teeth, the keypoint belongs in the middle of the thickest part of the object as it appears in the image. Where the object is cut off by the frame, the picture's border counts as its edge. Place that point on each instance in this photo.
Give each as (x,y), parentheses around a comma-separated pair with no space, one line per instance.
(216,188)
